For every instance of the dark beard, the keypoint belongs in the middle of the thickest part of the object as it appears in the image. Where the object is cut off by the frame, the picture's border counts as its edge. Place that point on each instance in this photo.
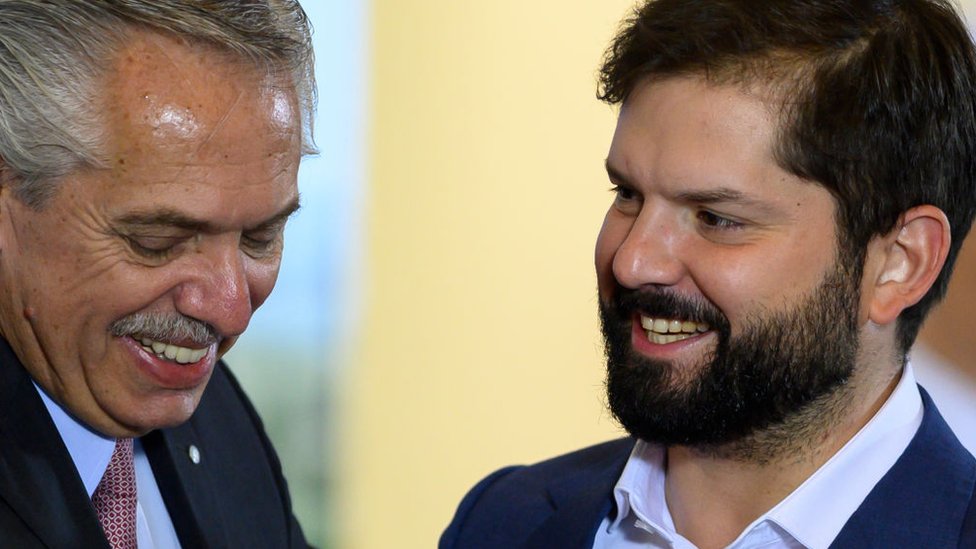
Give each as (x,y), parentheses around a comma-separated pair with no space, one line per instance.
(777,371)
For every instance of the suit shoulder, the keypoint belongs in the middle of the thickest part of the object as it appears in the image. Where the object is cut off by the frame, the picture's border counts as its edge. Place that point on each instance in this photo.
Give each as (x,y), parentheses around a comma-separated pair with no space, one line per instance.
(512,501)
(518,482)
(576,462)
(590,456)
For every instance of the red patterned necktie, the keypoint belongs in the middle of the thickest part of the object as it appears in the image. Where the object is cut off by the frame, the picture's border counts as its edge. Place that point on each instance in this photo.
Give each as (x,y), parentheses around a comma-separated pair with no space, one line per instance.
(115,497)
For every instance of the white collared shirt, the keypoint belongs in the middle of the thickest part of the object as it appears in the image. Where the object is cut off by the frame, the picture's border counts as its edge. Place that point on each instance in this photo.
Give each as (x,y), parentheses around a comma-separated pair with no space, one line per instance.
(831,494)
(91,453)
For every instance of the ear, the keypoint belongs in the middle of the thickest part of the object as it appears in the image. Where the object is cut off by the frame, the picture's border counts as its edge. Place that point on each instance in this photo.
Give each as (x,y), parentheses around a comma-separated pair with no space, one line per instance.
(7,182)
(902,265)
(6,191)
(6,177)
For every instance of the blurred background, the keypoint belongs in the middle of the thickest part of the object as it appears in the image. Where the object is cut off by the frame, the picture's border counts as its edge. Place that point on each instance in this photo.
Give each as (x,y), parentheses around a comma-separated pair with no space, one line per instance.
(435,317)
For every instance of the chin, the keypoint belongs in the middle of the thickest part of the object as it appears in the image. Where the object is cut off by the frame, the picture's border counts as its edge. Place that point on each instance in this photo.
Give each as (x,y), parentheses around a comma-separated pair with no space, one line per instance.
(160,412)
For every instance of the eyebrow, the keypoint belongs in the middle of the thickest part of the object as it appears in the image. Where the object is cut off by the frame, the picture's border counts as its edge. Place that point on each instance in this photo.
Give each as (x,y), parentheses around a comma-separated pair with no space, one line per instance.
(173,218)
(712,196)
(616,175)
(719,195)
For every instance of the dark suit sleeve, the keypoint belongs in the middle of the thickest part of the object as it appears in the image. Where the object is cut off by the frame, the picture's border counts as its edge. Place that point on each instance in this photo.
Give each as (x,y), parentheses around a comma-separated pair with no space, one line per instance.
(449,539)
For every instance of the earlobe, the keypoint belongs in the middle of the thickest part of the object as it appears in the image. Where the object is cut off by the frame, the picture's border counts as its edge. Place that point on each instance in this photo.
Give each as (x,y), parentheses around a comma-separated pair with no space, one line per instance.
(909,260)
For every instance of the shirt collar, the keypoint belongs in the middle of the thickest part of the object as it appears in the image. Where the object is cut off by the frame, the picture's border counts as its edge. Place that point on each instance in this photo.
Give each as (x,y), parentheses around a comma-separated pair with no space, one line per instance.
(89,450)
(856,467)
(640,489)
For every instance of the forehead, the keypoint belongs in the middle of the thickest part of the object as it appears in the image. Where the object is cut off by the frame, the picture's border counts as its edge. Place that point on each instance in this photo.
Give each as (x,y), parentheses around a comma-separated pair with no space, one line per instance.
(163,94)
(188,131)
(686,130)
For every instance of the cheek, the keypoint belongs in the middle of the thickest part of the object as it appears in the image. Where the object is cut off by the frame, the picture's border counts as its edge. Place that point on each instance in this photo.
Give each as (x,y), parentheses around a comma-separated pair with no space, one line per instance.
(612,234)
(735,289)
(767,280)
(261,279)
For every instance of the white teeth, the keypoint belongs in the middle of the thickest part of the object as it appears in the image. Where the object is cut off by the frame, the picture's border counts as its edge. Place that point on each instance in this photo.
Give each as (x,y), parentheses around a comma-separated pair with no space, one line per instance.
(171,351)
(662,339)
(182,355)
(663,331)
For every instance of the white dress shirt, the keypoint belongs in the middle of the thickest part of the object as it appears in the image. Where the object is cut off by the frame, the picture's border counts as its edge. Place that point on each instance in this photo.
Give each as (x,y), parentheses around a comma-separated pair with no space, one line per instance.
(91,453)
(810,517)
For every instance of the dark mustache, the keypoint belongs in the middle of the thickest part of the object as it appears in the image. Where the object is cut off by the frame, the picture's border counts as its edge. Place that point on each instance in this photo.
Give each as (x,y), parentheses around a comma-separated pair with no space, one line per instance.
(166,327)
(659,303)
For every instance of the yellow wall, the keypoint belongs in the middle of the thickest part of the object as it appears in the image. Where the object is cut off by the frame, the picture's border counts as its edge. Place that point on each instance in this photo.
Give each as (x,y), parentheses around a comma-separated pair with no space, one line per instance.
(479,346)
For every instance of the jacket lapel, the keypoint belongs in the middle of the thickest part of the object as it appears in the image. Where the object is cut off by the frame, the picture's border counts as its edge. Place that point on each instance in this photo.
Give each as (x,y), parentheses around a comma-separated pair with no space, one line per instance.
(185,486)
(922,500)
(38,480)
(580,503)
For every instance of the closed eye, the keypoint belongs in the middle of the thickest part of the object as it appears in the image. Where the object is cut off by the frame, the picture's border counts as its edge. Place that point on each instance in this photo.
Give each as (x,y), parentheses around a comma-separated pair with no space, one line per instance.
(153,247)
(264,242)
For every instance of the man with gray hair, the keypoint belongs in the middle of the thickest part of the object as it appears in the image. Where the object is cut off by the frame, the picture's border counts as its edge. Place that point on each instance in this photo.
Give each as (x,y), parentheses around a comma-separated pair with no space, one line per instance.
(148,161)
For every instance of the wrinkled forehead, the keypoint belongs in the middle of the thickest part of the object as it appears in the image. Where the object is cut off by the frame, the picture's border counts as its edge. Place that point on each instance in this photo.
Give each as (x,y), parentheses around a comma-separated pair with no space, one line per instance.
(164,93)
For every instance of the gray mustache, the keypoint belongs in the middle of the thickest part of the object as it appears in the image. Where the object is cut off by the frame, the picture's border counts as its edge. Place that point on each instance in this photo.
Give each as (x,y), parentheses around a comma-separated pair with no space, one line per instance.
(165,327)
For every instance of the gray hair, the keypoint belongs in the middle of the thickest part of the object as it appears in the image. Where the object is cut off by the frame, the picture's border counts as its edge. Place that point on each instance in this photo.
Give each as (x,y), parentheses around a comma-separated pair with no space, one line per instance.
(54,54)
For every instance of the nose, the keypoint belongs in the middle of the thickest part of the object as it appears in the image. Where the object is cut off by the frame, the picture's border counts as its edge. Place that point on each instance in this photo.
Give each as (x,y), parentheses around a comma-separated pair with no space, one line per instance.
(218,291)
(649,253)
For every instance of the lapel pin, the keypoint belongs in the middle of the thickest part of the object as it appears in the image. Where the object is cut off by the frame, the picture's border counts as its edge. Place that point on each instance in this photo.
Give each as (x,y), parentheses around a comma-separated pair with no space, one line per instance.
(194,454)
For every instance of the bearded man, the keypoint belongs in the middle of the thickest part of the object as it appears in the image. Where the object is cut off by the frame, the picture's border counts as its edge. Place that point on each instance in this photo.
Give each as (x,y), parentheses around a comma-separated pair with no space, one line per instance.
(793,180)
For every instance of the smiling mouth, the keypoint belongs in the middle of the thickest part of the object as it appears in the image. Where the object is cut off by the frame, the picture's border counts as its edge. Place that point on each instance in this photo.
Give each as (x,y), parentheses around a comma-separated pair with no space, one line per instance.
(662,331)
(173,353)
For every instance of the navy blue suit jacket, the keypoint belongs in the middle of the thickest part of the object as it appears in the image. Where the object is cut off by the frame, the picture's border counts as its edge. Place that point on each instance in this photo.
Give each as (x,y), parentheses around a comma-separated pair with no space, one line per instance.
(235,497)
(925,501)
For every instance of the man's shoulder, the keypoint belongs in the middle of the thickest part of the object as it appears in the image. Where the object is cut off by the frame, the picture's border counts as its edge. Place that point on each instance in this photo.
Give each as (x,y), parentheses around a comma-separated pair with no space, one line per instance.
(506,506)
(592,459)
(926,499)
(514,483)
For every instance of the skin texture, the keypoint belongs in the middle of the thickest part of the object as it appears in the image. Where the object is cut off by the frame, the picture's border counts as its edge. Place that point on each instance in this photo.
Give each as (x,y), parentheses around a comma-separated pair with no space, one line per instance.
(702,210)
(185,219)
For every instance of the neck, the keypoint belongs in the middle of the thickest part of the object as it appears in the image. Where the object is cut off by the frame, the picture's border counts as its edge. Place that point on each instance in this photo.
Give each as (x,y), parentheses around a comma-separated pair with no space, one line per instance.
(714,493)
